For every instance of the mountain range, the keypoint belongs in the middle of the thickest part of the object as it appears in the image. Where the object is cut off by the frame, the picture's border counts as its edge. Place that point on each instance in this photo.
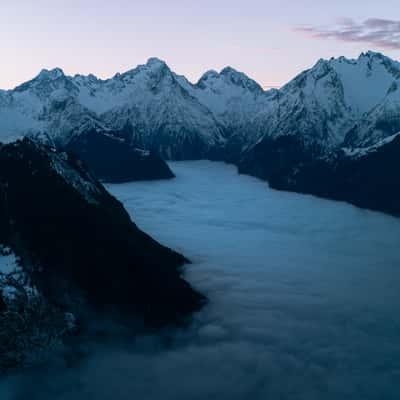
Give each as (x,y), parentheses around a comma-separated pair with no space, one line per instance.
(346,106)
(333,131)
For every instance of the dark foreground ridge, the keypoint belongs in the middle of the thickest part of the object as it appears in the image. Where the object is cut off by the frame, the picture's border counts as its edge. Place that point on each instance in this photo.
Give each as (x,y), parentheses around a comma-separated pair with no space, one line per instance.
(74,237)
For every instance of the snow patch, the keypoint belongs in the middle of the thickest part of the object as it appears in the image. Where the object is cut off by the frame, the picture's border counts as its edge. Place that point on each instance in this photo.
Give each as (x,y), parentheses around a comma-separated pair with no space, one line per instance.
(363,151)
(86,186)
(8,261)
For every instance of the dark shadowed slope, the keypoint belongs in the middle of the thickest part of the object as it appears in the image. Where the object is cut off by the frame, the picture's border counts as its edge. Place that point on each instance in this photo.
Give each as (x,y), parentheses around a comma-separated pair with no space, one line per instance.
(366,177)
(72,234)
(111,159)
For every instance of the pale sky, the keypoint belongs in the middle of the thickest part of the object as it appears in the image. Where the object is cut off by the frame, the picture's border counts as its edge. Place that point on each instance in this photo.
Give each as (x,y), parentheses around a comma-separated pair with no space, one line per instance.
(259,37)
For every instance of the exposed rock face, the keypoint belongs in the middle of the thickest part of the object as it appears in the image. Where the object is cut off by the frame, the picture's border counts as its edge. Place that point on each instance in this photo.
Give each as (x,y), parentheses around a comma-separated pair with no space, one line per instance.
(75,236)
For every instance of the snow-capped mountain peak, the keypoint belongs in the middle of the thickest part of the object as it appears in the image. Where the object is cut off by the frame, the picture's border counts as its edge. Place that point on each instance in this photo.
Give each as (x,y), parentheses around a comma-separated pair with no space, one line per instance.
(372,55)
(338,101)
(45,79)
(366,81)
(229,76)
(207,76)
(54,73)
(154,62)
(153,66)
(241,79)
(232,97)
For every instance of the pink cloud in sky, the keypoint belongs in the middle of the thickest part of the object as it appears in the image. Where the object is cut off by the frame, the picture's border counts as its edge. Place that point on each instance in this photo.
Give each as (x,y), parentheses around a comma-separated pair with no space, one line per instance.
(377,32)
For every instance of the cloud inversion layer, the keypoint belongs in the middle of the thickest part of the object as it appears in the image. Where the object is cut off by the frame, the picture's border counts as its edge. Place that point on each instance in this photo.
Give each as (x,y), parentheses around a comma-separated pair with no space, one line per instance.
(304,301)
(383,33)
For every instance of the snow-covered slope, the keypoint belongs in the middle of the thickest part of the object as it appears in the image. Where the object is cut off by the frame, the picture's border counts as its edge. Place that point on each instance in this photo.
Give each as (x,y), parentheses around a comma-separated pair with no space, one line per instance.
(359,152)
(338,102)
(160,113)
(232,96)
(332,132)
(235,100)
(367,80)
(46,104)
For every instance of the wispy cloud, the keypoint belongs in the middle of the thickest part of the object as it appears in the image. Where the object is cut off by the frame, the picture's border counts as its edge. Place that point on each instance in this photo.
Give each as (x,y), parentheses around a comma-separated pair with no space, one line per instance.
(383,33)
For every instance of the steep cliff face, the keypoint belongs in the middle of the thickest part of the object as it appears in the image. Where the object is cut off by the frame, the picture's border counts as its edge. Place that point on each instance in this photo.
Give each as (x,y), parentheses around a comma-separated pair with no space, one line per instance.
(76,238)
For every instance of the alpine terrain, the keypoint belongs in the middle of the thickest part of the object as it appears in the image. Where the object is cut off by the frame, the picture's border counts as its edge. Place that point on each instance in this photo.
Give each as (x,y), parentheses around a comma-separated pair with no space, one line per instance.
(325,132)
(67,246)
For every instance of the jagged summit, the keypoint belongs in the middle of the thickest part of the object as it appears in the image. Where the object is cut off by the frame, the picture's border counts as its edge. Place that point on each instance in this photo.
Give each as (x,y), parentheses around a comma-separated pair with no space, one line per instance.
(78,78)
(370,59)
(229,75)
(155,62)
(370,54)
(337,101)
(54,73)
(153,65)
(337,104)
(162,114)
(241,79)
(46,80)
(342,100)
(211,74)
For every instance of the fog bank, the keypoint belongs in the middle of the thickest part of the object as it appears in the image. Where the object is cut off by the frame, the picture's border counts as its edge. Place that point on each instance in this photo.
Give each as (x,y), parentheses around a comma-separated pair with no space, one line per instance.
(304,300)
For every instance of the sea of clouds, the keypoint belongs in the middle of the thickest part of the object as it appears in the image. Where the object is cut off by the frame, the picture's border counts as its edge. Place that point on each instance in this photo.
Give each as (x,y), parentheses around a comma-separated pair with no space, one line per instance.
(304,300)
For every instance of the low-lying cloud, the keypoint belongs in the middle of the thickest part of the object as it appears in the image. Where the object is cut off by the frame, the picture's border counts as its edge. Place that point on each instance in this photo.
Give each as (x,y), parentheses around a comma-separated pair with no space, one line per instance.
(376,32)
(304,301)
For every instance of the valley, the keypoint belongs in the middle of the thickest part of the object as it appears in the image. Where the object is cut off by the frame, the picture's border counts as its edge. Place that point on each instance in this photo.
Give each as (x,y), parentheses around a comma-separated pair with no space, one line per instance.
(302,303)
